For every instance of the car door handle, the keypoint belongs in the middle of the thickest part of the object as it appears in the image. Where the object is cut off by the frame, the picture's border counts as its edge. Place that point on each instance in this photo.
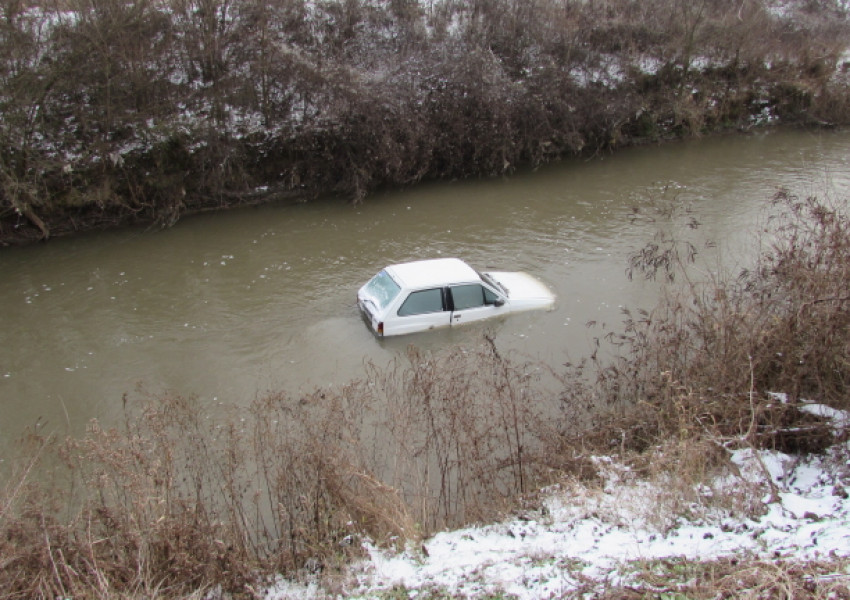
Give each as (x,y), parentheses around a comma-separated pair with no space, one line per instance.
(456,317)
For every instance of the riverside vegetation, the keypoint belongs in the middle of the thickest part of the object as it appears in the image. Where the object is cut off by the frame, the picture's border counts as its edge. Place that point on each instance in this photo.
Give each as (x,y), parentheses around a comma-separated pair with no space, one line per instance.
(177,502)
(115,112)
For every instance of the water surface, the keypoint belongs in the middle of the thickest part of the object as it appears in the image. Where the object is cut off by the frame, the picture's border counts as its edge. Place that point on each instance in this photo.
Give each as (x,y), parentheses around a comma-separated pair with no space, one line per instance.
(227,306)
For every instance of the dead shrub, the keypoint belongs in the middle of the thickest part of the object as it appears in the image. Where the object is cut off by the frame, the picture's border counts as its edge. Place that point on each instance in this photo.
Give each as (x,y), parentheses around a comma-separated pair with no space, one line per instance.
(467,428)
(703,363)
(800,288)
(180,500)
(181,106)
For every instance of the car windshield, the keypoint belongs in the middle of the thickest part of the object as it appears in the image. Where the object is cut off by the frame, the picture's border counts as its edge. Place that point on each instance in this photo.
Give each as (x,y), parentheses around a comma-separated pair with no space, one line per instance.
(382,289)
(489,279)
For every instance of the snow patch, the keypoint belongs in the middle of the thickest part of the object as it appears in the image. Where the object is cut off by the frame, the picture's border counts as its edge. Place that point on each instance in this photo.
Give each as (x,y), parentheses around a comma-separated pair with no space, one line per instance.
(581,534)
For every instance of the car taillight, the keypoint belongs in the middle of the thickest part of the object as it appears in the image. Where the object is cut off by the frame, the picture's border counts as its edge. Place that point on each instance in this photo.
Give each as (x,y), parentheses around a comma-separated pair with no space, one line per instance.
(380,329)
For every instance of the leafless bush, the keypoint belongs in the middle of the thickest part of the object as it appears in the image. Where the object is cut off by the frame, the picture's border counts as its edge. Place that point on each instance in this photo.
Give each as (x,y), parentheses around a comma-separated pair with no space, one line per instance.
(705,361)
(470,438)
(179,500)
(116,112)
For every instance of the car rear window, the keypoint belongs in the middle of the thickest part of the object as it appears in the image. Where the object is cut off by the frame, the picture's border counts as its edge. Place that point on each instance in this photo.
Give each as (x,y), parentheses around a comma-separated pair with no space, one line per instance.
(382,289)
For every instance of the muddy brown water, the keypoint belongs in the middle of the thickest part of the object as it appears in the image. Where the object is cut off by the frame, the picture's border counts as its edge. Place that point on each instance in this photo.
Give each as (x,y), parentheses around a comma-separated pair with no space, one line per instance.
(228,306)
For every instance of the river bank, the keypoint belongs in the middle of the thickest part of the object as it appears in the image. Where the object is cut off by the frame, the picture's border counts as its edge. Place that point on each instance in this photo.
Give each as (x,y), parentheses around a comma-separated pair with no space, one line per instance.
(629,535)
(240,103)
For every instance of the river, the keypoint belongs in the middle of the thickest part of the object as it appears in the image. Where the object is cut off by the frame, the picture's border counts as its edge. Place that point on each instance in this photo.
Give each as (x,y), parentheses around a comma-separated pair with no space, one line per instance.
(228,306)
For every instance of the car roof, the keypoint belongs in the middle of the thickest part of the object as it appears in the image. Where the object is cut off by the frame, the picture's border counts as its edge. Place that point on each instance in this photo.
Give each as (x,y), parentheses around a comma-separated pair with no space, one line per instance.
(433,272)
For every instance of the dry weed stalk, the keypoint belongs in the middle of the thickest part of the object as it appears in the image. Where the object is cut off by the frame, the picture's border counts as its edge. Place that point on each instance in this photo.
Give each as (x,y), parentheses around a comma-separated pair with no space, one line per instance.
(179,500)
(694,378)
(704,361)
(738,577)
(468,423)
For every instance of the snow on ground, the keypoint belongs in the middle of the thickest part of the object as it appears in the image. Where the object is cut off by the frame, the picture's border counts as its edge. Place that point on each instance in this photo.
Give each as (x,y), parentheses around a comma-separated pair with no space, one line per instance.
(583,536)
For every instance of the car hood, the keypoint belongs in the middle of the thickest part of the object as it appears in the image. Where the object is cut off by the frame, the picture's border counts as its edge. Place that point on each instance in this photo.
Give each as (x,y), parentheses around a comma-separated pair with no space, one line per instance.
(524,290)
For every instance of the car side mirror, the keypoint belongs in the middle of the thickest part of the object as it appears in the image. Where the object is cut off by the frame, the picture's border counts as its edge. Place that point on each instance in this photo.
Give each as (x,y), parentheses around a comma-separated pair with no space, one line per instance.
(499,302)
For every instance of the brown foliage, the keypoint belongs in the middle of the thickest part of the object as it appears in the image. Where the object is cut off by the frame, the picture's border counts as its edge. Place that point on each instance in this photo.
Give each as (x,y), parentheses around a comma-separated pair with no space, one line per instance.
(706,361)
(116,112)
(178,501)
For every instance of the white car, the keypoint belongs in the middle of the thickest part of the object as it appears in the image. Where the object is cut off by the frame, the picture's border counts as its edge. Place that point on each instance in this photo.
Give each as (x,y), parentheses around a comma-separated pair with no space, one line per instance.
(443,292)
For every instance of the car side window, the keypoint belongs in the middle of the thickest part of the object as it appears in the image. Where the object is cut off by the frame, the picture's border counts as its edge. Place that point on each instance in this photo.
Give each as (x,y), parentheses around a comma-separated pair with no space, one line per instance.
(468,296)
(490,297)
(422,302)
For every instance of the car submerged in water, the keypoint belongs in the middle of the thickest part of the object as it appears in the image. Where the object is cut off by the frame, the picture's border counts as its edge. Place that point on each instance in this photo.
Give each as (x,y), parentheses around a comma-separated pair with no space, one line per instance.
(443,292)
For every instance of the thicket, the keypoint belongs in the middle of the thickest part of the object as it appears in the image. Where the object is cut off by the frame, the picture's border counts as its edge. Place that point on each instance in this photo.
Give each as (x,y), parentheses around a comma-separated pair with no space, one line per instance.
(715,345)
(179,501)
(115,112)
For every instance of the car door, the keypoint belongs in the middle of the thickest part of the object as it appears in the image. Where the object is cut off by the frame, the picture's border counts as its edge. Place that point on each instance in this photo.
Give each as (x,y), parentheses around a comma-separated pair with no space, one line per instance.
(420,311)
(473,302)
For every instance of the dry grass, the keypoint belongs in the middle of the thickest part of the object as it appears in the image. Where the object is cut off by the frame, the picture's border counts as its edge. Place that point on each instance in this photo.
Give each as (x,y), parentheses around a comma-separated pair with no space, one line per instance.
(742,577)
(704,362)
(698,375)
(176,501)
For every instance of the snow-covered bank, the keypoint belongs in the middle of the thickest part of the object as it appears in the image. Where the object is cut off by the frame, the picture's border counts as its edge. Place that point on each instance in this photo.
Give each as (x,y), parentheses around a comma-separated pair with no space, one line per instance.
(591,538)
